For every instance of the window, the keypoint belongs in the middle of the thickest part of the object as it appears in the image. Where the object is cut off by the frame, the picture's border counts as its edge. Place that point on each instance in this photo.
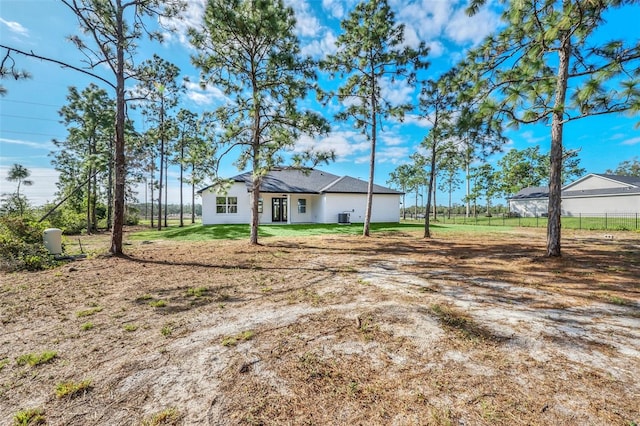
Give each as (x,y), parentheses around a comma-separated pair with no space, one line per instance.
(302,205)
(226,205)
(259,205)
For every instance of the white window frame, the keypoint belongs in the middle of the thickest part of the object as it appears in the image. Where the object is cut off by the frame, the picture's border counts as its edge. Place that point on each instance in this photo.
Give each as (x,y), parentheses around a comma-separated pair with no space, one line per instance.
(226,205)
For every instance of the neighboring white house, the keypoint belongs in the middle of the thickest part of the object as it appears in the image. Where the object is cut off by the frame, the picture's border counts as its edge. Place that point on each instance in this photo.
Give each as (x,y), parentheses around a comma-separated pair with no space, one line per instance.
(294,196)
(593,194)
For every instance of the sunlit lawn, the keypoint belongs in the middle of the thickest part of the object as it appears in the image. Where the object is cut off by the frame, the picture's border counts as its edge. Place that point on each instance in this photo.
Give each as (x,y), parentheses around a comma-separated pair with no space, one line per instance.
(199,232)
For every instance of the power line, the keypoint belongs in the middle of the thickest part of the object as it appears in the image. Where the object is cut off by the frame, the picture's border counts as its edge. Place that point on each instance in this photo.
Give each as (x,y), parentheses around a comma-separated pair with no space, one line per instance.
(29,118)
(28,133)
(29,103)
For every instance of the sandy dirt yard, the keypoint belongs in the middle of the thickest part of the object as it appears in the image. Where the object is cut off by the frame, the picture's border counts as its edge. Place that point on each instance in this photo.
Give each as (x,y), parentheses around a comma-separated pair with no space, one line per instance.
(462,329)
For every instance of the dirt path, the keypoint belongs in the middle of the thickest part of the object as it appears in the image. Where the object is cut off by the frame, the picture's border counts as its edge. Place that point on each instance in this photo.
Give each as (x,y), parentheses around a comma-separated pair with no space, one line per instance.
(331,330)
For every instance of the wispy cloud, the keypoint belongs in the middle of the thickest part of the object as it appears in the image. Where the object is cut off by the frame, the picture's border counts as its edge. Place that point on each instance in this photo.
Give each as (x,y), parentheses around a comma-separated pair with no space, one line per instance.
(208,95)
(632,141)
(15,27)
(40,145)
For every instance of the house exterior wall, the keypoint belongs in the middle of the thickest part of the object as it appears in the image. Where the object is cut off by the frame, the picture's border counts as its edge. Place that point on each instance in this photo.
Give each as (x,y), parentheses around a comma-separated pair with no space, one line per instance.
(574,206)
(323,208)
(593,182)
(529,207)
(385,207)
(211,217)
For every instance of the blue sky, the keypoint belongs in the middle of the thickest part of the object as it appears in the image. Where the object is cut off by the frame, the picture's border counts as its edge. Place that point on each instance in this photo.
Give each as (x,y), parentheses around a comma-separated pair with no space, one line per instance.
(29,117)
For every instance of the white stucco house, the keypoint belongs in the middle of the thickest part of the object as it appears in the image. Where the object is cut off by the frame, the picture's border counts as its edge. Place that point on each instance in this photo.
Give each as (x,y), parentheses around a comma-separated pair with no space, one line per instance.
(290,195)
(593,194)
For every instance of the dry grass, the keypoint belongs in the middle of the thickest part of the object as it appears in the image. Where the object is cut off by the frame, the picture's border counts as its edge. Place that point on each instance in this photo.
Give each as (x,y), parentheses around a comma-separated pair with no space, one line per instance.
(461,329)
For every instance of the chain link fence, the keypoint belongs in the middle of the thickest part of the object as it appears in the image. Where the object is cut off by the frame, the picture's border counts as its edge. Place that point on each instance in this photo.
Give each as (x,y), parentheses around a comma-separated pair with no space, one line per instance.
(588,221)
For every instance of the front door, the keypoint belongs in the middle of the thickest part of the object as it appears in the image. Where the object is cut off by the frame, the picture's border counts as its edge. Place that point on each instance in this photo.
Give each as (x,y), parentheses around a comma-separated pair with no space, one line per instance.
(278,209)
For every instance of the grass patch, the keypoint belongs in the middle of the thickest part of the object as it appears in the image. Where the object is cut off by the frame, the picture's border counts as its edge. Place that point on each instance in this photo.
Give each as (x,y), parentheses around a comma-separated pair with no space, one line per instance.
(72,389)
(166,330)
(169,416)
(87,326)
(4,363)
(130,328)
(30,416)
(234,340)
(237,232)
(197,291)
(36,359)
(158,303)
(89,312)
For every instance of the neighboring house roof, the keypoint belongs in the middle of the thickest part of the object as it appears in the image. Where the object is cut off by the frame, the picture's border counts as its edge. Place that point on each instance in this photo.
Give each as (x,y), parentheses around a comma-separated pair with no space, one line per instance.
(532,192)
(624,185)
(308,181)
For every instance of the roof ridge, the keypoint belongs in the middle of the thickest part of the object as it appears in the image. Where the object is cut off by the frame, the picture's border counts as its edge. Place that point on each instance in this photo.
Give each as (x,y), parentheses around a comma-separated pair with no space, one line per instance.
(326,187)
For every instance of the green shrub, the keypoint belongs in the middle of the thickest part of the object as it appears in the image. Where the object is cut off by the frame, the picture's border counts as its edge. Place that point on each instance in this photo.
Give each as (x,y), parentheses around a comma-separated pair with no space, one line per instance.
(21,245)
(70,221)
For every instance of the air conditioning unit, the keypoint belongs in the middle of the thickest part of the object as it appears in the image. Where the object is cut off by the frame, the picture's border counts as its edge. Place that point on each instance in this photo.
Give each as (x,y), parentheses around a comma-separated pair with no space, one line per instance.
(344,219)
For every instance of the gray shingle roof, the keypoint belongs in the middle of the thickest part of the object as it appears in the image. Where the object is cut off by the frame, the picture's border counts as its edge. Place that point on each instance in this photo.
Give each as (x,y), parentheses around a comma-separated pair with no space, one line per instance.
(543,192)
(629,180)
(309,181)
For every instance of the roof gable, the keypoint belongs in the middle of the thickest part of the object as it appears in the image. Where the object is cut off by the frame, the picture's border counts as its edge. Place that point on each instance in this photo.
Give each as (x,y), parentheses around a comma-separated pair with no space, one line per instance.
(595,181)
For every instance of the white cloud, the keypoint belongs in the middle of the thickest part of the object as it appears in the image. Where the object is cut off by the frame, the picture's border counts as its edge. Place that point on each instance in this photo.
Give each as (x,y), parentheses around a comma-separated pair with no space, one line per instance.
(463,28)
(15,27)
(436,49)
(40,145)
(344,144)
(391,140)
(529,137)
(208,95)
(393,155)
(417,120)
(427,18)
(322,46)
(177,27)
(336,8)
(307,25)
(632,141)
(396,92)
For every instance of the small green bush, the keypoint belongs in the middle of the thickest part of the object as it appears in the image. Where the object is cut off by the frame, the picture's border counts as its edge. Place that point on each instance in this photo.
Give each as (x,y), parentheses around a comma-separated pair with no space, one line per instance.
(31,416)
(69,220)
(21,245)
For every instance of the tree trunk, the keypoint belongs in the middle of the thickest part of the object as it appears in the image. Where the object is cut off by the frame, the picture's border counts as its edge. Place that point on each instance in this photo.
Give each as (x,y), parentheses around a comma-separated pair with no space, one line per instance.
(256,175)
(151,187)
(427,230)
(367,214)
(435,203)
(161,163)
(468,182)
(193,195)
(119,146)
(404,205)
(110,186)
(555,175)
(181,176)
(166,189)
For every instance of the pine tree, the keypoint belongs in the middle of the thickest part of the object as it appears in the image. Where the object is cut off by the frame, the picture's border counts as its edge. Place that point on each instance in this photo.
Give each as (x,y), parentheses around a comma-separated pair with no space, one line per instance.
(370,50)
(546,66)
(250,50)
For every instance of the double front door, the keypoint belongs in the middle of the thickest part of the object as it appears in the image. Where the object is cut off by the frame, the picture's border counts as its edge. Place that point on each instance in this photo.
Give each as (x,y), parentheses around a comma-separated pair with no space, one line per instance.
(279,210)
